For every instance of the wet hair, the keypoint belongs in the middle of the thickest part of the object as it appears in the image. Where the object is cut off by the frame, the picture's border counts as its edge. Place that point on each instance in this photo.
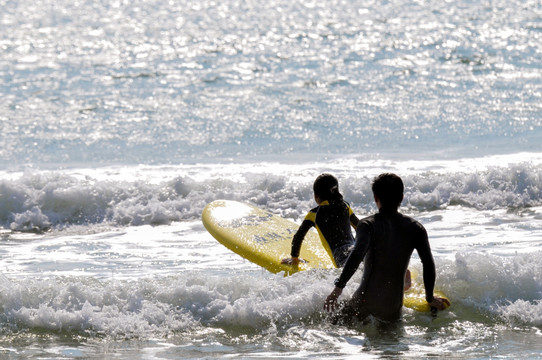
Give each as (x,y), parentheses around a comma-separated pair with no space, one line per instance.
(326,187)
(388,188)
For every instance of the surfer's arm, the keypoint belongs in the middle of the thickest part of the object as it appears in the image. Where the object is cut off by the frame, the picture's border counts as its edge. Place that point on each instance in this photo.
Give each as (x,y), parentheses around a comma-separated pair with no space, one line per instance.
(354,220)
(363,236)
(429,275)
(331,300)
(296,243)
(299,236)
(429,271)
(352,264)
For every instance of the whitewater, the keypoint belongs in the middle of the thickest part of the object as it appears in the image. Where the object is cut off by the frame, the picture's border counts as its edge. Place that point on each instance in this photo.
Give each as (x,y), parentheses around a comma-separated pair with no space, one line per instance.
(120,120)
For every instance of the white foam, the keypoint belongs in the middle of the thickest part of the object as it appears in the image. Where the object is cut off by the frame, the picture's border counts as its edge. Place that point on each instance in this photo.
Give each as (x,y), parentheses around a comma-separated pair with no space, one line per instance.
(160,195)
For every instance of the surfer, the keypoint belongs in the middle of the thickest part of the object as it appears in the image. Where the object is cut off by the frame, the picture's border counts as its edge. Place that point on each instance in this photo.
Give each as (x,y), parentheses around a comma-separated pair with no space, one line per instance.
(385,242)
(332,218)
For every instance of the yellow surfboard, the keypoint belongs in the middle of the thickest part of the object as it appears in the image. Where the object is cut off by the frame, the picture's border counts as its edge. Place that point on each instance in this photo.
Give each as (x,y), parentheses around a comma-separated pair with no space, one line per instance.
(414,297)
(262,237)
(265,239)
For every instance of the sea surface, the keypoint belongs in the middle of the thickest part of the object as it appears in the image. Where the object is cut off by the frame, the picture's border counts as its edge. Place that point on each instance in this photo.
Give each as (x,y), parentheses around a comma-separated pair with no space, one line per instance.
(120,120)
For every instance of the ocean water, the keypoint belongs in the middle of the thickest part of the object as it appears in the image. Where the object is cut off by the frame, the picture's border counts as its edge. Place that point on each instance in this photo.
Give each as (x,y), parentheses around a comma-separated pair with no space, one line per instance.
(120,120)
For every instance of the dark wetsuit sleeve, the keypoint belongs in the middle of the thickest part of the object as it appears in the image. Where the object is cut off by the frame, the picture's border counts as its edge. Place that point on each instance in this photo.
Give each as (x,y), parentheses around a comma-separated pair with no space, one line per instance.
(354,220)
(429,272)
(299,236)
(363,237)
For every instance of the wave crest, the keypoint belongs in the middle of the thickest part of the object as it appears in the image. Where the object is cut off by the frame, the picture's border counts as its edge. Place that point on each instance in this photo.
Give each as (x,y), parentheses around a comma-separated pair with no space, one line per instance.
(38,201)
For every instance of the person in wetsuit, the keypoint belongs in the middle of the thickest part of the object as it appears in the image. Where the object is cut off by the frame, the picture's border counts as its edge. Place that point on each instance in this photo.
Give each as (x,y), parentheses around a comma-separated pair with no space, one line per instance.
(332,218)
(385,242)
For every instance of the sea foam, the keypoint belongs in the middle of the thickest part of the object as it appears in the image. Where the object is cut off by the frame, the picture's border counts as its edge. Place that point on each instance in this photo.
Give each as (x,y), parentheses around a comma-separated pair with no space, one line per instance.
(497,288)
(38,200)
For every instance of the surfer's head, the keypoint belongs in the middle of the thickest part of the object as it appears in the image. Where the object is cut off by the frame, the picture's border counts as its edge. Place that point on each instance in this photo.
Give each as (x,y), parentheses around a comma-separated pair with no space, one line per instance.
(388,189)
(326,187)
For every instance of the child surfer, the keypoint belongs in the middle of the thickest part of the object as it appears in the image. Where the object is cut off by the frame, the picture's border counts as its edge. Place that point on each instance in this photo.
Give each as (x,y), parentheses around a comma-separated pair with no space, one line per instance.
(332,219)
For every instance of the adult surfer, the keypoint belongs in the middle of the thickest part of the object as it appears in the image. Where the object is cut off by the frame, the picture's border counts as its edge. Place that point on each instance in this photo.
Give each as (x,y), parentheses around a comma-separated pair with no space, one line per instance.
(385,242)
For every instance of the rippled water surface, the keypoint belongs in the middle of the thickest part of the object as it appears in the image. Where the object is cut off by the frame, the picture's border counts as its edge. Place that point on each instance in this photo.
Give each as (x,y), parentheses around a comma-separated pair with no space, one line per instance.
(163,82)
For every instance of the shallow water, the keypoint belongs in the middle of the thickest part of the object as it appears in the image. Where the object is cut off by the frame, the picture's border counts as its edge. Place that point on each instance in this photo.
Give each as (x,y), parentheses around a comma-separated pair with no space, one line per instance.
(169,290)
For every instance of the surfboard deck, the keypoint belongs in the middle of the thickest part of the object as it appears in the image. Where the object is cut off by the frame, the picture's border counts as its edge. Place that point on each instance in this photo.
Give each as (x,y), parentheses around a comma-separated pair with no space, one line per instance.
(262,237)
(265,239)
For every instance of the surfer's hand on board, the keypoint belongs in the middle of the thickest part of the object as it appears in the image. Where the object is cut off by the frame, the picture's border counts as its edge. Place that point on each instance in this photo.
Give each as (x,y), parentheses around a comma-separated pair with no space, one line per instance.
(292,261)
(439,303)
(331,300)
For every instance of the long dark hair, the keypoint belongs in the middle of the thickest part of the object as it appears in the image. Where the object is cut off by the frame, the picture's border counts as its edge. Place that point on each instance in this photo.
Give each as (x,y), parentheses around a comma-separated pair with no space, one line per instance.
(326,187)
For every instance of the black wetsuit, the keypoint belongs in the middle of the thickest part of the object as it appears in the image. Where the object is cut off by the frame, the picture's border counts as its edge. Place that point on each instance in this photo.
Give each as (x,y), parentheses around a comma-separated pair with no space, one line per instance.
(333,221)
(385,242)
